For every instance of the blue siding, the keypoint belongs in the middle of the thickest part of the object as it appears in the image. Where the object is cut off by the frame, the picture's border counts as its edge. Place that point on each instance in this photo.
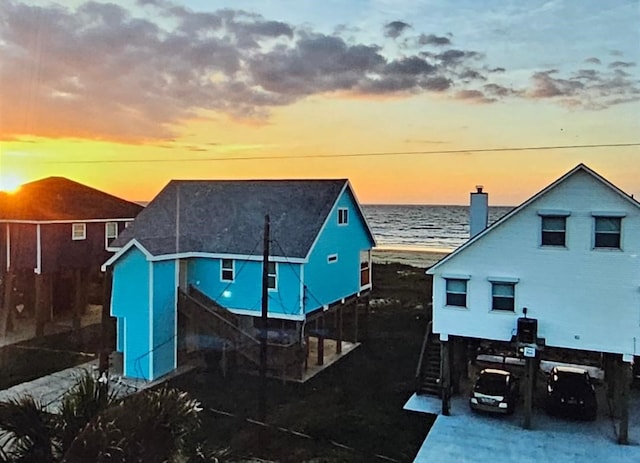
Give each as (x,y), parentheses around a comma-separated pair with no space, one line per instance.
(245,292)
(130,304)
(164,318)
(120,334)
(326,282)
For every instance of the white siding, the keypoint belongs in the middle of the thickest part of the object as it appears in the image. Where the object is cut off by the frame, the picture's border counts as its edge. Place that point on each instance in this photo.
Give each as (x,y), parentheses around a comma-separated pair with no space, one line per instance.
(583,298)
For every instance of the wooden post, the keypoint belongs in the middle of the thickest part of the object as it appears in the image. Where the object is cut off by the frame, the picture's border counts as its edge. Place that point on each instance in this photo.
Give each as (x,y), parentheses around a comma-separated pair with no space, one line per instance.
(339,340)
(367,310)
(107,343)
(623,405)
(528,392)
(617,384)
(355,322)
(6,323)
(320,333)
(40,306)
(445,380)
(610,376)
(262,405)
(77,300)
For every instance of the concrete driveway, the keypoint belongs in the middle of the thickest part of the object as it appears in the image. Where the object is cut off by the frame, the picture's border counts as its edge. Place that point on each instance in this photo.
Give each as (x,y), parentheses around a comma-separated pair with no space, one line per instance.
(465,436)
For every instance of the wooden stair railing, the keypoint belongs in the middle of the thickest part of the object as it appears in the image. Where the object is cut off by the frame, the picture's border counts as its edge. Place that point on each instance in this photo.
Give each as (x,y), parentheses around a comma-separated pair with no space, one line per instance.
(428,370)
(225,324)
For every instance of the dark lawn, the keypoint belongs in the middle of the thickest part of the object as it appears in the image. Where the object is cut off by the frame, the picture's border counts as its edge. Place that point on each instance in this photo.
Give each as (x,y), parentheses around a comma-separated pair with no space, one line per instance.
(356,402)
(31,359)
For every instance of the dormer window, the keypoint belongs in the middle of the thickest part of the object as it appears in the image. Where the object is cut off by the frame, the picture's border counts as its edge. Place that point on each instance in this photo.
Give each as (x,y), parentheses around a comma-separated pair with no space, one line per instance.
(343,216)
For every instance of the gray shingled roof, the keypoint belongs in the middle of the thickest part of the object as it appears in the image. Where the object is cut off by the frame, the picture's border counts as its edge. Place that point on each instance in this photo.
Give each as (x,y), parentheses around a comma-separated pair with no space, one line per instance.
(58,198)
(227,216)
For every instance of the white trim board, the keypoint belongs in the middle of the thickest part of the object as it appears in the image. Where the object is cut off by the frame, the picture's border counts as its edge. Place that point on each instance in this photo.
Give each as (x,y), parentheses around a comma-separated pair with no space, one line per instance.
(61,221)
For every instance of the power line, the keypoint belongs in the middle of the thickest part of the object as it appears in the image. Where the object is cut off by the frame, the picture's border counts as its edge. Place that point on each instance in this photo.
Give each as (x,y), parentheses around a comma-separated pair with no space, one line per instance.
(349,155)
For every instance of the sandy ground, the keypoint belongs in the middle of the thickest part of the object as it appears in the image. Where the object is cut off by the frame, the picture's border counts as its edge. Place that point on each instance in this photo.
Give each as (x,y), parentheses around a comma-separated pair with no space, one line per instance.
(416,257)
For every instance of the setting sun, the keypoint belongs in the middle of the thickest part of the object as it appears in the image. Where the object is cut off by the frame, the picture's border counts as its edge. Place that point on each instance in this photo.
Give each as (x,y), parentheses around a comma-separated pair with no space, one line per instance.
(10,183)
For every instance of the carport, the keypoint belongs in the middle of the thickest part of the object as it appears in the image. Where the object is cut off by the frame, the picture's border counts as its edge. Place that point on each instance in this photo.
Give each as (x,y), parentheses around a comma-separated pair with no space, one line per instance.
(466,436)
(528,358)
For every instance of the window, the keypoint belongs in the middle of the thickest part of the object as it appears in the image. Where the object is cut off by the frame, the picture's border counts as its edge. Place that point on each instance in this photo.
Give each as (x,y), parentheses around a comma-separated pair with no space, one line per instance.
(272,275)
(456,292)
(607,232)
(365,264)
(110,232)
(79,231)
(554,231)
(503,296)
(227,270)
(343,216)
(332,258)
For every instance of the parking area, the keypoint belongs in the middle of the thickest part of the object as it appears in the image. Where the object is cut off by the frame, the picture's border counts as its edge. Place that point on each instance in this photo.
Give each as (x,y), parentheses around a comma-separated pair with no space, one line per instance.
(466,436)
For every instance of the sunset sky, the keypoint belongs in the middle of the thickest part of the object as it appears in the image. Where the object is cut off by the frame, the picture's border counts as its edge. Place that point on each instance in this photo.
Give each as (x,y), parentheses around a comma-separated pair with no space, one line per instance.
(406,98)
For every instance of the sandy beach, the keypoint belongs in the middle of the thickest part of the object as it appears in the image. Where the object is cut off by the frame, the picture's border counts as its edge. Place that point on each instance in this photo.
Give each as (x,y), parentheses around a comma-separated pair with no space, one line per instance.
(414,256)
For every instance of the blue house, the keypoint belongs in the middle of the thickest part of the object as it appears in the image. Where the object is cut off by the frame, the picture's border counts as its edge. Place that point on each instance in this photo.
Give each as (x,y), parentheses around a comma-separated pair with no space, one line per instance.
(192,262)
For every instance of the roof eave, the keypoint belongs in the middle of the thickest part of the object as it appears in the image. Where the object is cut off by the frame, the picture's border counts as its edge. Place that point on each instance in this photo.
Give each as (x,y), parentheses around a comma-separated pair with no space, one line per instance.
(123,250)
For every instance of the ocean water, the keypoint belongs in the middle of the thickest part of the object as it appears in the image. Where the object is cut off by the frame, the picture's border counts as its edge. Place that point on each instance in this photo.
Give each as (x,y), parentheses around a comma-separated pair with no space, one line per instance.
(423,227)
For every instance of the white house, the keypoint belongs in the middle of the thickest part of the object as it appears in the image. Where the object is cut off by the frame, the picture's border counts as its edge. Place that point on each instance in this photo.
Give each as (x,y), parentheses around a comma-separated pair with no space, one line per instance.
(570,255)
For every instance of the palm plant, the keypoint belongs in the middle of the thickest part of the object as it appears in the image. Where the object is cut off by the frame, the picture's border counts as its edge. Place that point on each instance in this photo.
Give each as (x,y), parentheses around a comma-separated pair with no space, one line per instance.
(149,427)
(93,425)
(26,432)
(79,406)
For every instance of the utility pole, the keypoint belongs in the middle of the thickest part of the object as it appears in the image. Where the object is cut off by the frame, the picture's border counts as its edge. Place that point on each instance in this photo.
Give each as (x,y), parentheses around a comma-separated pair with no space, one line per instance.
(262,406)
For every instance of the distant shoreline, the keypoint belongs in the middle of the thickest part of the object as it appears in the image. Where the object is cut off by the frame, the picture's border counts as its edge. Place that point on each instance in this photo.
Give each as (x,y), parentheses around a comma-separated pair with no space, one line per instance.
(414,256)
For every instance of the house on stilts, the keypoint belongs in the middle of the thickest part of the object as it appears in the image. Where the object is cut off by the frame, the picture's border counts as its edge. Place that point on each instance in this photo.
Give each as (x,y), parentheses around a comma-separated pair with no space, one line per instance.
(559,274)
(188,275)
(54,236)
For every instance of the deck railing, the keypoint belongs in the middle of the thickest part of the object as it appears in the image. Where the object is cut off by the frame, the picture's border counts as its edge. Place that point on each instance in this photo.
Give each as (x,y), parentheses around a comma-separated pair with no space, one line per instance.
(210,316)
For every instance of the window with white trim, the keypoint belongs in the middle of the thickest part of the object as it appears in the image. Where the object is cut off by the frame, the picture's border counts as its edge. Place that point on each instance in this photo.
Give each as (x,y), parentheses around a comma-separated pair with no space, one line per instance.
(365,268)
(607,232)
(272,275)
(554,230)
(332,258)
(78,231)
(227,270)
(503,296)
(110,232)
(343,216)
(456,292)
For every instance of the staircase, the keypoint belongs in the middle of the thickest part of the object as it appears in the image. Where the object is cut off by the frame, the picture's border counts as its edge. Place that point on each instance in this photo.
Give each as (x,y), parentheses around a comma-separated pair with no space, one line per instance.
(212,318)
(428,371)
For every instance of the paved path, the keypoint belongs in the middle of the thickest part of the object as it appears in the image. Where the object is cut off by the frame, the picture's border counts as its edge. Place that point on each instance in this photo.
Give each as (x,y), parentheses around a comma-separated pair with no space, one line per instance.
(49,389)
